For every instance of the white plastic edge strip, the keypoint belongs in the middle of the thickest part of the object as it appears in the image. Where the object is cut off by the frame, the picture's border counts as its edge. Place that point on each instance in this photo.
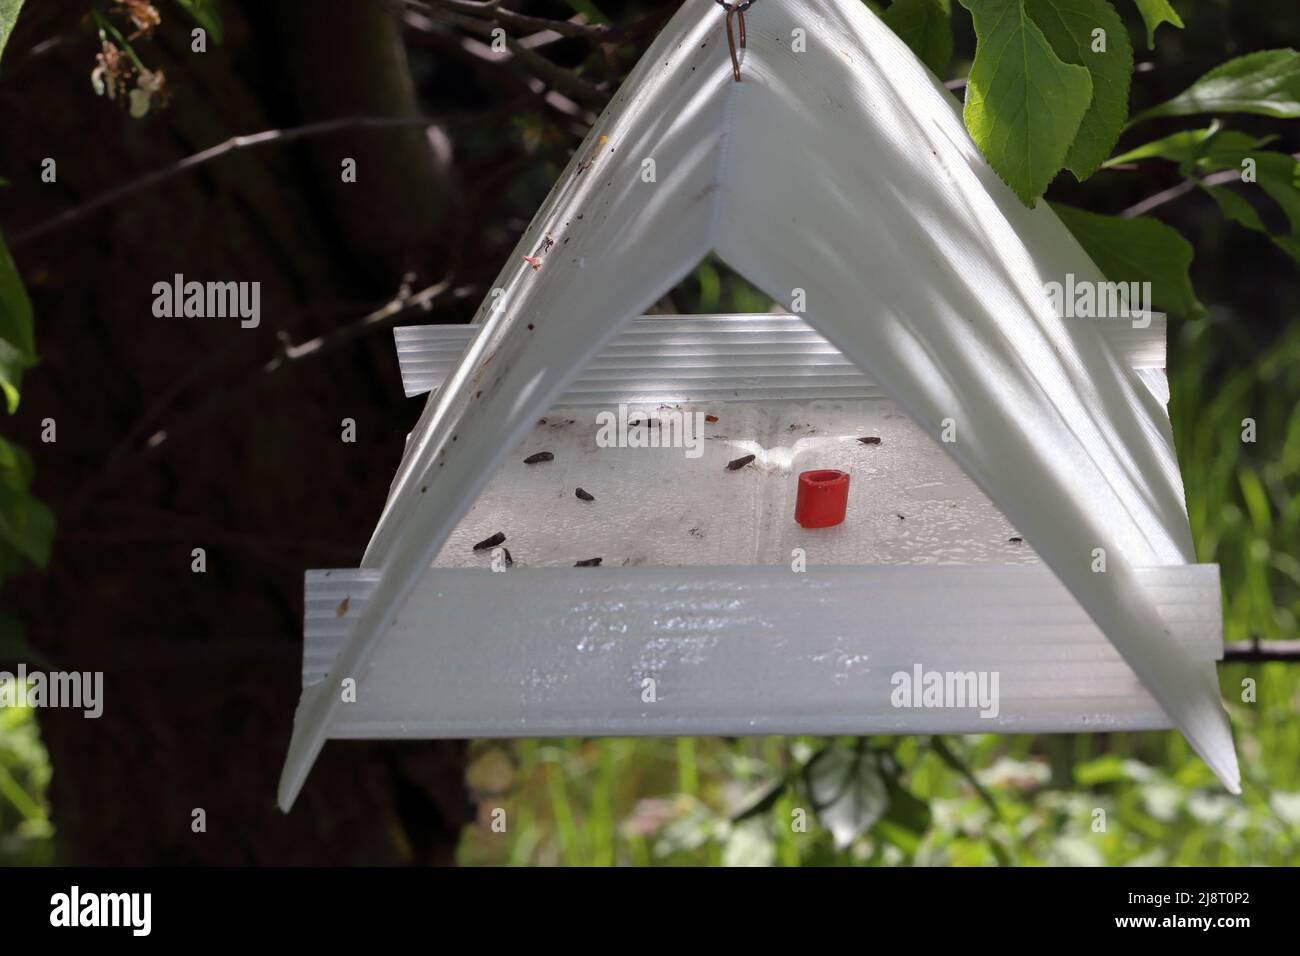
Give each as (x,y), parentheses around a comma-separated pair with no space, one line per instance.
(557,651)
(686,358)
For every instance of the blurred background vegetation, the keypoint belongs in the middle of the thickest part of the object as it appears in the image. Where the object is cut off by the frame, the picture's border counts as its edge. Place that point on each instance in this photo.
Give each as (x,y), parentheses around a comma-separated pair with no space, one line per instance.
(926,801)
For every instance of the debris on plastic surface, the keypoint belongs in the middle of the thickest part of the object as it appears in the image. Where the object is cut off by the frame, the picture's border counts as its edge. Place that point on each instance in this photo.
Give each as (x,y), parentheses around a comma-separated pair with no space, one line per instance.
(491,542)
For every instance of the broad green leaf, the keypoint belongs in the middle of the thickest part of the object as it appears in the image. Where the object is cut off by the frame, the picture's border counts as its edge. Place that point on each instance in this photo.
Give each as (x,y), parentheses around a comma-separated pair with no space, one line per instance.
(1236,208)
(8,17)
(1138,250)
(906,821)
(1154,13)
(926,27)
(1267,83)
(1023,104)
(848,792)
(1072,27)
(26,525)
(1189,146)
(206,15)
(17,349)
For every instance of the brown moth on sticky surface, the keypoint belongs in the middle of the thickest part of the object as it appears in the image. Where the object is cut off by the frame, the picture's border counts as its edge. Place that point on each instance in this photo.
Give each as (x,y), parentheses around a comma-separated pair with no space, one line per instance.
(491,542)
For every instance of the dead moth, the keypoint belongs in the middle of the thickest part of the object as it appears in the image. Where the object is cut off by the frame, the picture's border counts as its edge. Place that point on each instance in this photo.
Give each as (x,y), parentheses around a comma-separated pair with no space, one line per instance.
(541,456)
(491,542)
(739,463)
(869,440)
(584,494)
(588,563)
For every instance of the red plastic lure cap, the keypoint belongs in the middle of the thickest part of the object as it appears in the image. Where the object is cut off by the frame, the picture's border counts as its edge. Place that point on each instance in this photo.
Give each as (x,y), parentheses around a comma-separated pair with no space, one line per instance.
(823,498)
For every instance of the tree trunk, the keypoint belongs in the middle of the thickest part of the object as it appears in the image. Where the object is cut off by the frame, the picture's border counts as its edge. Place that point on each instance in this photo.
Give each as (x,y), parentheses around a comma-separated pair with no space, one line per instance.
(201,670)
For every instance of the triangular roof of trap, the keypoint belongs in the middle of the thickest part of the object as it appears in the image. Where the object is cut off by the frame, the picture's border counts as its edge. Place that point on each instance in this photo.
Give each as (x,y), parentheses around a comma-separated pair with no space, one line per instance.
(844,171)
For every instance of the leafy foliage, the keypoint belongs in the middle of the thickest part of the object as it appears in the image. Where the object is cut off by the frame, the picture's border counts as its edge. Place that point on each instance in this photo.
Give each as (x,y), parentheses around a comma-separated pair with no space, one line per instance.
(1202,153)
(1071,27)
(9,10)
(26,531)
(1138,250)
(1267,83)
(848,791)
(1024,104)
(1154,13)
(17,348)
(926,27)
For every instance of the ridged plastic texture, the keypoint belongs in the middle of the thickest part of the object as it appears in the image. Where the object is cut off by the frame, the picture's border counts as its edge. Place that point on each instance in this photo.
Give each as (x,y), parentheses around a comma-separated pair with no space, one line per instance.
(699,358)
(841,175)
(541,652)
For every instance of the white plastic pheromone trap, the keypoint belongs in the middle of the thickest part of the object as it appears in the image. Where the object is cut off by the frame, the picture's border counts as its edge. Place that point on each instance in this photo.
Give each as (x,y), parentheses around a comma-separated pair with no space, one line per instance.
(1015,532)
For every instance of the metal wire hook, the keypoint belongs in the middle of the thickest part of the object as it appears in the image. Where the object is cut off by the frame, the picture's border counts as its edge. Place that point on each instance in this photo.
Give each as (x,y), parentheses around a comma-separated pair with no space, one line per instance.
(737,10)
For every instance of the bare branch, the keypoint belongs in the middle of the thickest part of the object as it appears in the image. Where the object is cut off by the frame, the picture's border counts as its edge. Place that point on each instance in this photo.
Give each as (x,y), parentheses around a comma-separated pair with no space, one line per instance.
(233,145)
(1182,189)
(1256,650)
(119,461)
(556,77)
(573,28)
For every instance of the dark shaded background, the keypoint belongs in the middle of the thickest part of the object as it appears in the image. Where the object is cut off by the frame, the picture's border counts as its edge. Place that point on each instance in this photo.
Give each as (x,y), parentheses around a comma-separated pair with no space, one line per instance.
(175,434)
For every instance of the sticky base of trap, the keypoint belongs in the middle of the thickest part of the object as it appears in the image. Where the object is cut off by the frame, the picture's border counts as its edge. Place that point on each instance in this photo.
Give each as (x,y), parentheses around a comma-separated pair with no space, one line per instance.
(909,502)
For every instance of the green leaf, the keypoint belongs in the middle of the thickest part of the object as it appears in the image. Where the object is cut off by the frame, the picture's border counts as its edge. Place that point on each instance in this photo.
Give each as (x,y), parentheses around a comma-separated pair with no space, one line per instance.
(906,821)
(8,17)
(1154,13)
(1236,208)
(205,14)
(26,525)
(1188,146)
(761,801)
(1138,250)
(1278,174)
(848,791)
(1070,26)
(1267,83)
(17,348)
(926,27)
(1023,104)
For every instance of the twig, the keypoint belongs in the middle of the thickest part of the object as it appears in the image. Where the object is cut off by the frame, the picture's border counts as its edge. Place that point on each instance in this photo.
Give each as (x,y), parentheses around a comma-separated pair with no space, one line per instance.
(1159,199)
(1182,189)
(233,145)
(384,317)
(557,77)
(493,11)
(1256,650)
